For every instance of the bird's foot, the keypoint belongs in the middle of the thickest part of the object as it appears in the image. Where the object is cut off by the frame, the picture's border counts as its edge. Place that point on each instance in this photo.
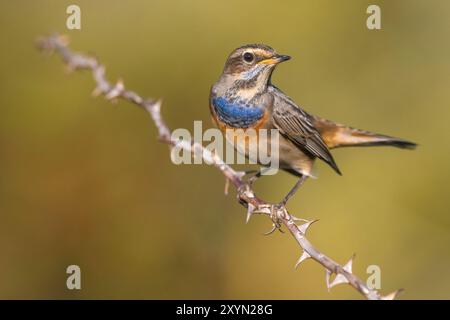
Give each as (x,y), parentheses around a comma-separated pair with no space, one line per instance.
(293,191)
(277,214)
(244,193)
(253,178)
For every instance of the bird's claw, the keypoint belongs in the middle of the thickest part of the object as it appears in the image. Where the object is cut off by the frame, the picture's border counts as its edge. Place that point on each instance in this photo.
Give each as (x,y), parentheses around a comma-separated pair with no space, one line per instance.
(252,180)
(277,213)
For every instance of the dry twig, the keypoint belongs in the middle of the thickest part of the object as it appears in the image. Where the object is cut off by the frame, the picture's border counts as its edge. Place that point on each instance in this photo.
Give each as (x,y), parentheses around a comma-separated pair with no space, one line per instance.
(245,194)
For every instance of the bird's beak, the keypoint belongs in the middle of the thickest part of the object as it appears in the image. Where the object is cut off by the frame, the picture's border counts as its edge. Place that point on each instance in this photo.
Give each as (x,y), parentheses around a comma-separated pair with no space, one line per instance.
(275,59)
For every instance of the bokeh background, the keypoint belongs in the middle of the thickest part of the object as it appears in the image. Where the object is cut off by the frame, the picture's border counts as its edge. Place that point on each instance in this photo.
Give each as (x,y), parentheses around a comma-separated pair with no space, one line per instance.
(85,182)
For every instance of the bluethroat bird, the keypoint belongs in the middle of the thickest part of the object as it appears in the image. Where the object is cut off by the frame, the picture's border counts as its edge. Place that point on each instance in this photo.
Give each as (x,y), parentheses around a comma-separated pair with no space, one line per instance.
(244,97)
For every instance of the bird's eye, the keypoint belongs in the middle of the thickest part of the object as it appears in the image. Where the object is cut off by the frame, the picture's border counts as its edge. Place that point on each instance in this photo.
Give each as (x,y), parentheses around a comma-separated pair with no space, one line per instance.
(248,57)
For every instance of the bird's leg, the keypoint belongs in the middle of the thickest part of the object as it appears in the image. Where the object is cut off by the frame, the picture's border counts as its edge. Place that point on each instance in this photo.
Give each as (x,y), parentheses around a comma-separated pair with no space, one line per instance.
(293,190)
(250,181)
(257,175)
(249,172)
(279,212)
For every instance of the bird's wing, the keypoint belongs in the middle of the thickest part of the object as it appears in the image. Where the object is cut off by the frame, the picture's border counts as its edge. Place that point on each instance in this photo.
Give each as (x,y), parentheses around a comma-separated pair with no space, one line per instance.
(297,126)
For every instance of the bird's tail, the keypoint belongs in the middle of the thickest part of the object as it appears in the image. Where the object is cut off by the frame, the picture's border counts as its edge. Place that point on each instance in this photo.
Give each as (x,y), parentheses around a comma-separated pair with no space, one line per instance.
(337,135)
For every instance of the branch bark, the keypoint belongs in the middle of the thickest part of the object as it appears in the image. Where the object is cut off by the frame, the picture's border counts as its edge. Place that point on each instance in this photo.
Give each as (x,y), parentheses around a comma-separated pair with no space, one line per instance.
(246,196)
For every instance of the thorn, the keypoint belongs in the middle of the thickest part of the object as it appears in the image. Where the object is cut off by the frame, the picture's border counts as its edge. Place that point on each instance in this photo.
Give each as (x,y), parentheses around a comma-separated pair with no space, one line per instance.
(250,193)
(157,105)
(304,227)
(227,186)
(153,106)
(327,278)
(348,266)
(305,255)
(274,228)
(298,219)
(120,84)
(96,92)
(264,209)
(340,278)
(393,295)
(69,68)
(116,91)
(271,230)
(250,210)
(240,174)
(63,39)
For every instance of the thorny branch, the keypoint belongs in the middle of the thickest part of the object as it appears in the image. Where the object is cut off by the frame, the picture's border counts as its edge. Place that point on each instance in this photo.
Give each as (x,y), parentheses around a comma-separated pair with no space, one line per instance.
(245,194)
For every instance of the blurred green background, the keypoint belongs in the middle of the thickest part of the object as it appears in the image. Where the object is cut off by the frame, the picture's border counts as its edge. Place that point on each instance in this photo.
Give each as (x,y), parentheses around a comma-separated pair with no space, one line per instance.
(85,182)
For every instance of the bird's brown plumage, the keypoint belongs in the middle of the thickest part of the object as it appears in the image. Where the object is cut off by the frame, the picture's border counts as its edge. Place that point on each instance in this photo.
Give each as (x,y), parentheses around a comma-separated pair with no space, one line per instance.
(338,135)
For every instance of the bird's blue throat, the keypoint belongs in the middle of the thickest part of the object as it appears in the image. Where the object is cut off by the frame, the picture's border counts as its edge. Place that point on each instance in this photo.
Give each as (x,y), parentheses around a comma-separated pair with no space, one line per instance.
(237,113)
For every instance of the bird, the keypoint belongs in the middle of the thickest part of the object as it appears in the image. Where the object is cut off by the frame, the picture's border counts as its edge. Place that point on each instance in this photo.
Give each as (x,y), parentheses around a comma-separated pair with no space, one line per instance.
(245,98)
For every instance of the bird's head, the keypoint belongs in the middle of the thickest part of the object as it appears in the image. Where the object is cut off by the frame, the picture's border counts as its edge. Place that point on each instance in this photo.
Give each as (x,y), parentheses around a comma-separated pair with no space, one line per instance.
(252,65)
